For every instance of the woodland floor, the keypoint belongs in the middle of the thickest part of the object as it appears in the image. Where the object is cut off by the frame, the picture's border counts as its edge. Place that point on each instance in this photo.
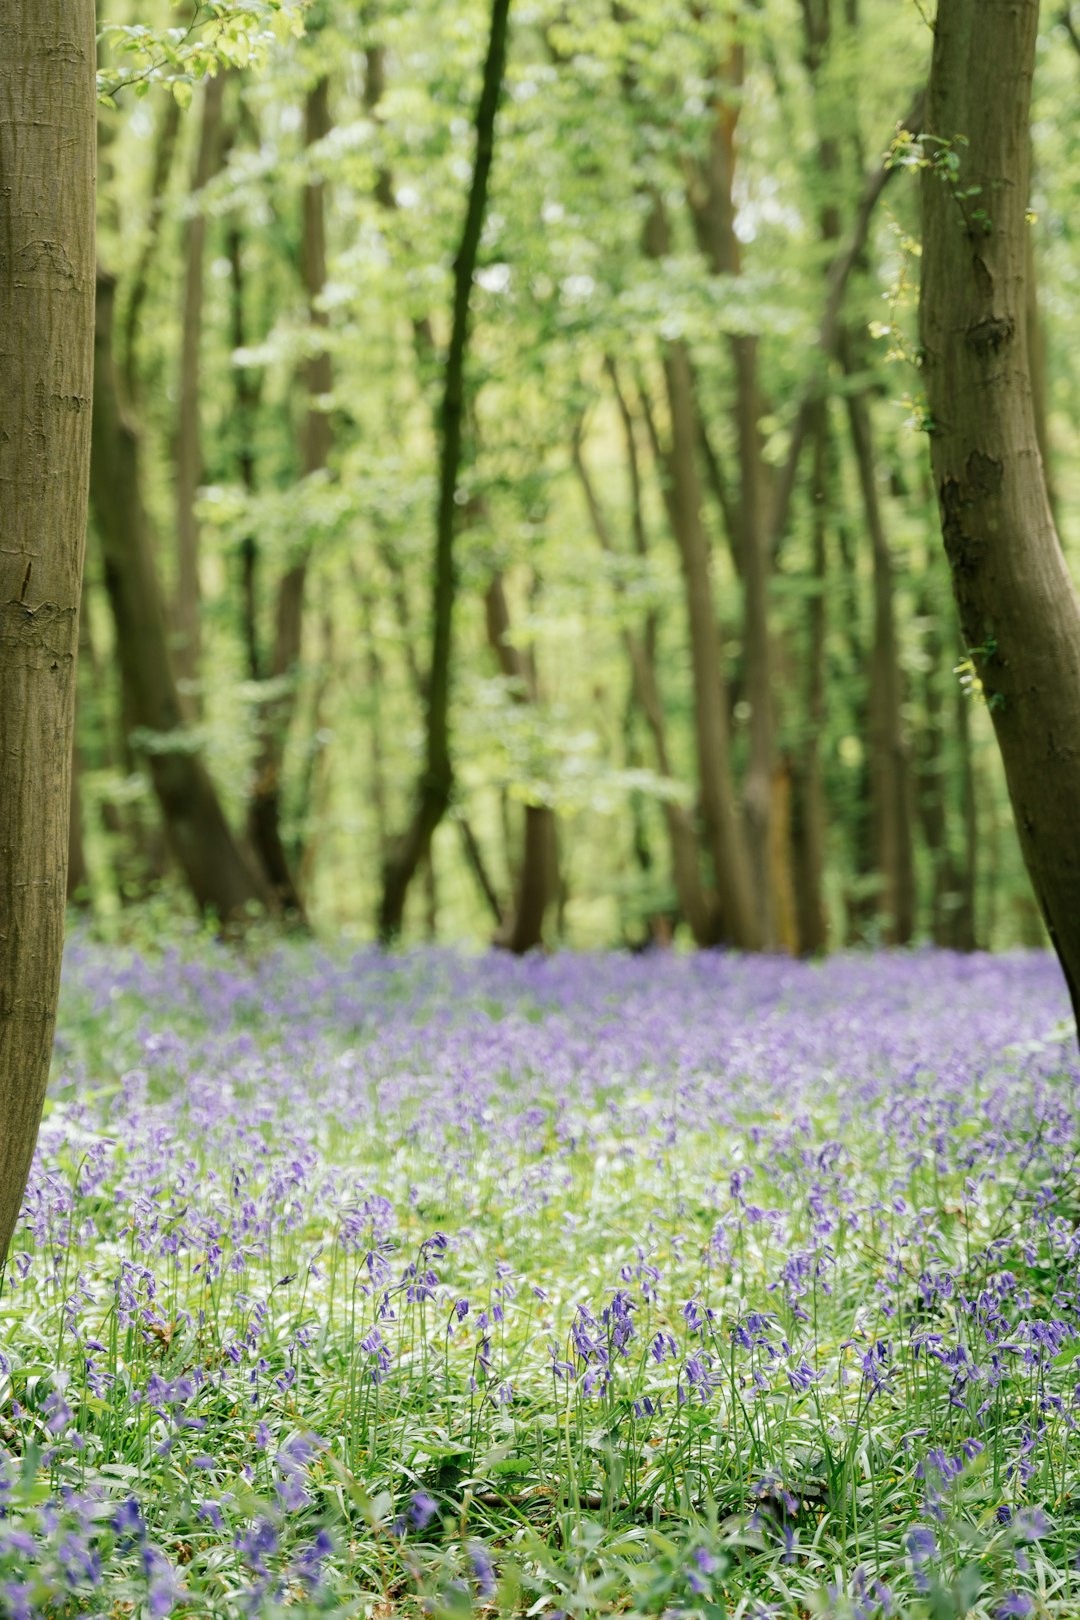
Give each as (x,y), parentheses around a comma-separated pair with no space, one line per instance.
(582,1285)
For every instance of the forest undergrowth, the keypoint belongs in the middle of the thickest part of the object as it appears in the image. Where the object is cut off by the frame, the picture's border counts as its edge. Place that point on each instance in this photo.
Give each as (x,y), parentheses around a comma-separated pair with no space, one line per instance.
(583,1285)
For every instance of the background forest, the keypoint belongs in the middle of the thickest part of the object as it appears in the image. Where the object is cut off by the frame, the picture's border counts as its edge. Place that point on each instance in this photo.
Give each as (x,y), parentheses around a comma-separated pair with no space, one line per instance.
(692,463)
(512,521)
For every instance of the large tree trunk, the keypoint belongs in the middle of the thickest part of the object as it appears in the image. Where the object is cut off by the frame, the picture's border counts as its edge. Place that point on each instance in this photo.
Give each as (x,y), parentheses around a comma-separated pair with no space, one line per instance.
(435,785)
(1018,606)
(264,815)
(188,436)
(216,871)
(47,156)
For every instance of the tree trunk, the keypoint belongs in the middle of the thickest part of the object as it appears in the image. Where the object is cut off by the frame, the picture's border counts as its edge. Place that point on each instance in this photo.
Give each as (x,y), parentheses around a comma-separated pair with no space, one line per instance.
(164,153)
(966,935)
(538,874)
(217,874)
(78,876)
(724,833)
(713,206)
(47,156)
(932,783)
(435,785)
(1018,606)
(264,811)
(808,791)
(641,653)
(890,774)
(188,439)
(246,398)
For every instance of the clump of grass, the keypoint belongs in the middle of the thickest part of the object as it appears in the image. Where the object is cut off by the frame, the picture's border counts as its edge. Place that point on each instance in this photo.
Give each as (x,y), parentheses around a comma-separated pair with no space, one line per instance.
(581,1285)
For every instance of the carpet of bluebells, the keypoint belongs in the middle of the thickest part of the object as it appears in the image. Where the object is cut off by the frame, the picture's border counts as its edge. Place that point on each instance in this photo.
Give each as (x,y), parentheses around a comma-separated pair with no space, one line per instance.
(583,1285)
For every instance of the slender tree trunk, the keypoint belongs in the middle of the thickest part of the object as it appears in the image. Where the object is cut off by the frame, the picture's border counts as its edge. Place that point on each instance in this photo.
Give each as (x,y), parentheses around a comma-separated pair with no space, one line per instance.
(724,833)
(47,157)
(264,814)
(188,438)
(967,877)
(808,791)
(78,875)
(890,773)
(316,779)
(713,205)
(246,399)
(1018,606)
(725,836)
(434,788)
(164,153)
(538,874)
(641,654)
(217,874)
(931,780)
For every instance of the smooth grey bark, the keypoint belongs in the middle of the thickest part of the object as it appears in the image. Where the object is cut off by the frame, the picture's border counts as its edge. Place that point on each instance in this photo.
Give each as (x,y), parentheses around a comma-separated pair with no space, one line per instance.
(1018,605)
(47,159)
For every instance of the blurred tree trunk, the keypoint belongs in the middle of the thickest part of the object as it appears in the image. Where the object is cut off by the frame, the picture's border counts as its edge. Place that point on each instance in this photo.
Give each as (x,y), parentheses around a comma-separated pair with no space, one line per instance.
(713,207)
(78,875)
(932,782)
(264,812)
(808,791)
(435,785)
(1018,606)
(216,871)
(889,777)
(164,153)
(641,654)
(890,771)
(967,873)
(246,399)
(47,157)
(188,438)
(538,873)
(724,833)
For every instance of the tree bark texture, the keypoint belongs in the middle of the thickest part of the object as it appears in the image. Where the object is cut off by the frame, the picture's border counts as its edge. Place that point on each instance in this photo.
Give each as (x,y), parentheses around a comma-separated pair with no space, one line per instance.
(217,873)
(435,785)
(47,159)
(1018,605)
